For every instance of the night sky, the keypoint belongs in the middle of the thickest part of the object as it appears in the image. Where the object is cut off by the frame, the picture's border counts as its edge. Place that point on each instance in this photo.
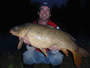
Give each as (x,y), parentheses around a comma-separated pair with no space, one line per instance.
(74,19)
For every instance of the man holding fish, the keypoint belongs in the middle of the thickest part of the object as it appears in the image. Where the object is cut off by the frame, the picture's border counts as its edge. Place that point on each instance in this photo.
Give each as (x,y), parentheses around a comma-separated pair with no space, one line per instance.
(50,41)
(33,55)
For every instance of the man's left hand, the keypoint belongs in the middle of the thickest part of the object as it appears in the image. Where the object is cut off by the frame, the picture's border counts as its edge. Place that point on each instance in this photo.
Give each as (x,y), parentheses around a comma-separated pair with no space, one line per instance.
(54,48)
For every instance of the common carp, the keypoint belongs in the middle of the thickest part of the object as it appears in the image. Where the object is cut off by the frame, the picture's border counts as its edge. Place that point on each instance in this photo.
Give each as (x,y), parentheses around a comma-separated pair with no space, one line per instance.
(42,36)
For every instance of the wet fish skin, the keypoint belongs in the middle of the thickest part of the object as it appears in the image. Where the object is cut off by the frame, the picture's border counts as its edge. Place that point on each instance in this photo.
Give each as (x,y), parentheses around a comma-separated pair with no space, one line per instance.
(42,36)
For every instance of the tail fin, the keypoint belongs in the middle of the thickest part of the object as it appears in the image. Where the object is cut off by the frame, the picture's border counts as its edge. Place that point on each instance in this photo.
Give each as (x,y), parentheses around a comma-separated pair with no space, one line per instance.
(77,55)
(83,52)
(77,59)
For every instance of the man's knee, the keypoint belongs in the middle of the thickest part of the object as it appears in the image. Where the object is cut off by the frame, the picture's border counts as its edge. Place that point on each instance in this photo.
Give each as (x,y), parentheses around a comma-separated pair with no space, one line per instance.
(28,57)
(56,59)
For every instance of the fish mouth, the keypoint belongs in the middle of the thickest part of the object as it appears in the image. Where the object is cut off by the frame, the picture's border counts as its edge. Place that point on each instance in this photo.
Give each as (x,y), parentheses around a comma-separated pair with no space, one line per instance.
(12,32)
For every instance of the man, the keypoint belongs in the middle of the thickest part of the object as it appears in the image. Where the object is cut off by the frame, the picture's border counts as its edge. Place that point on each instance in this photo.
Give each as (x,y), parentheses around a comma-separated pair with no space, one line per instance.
(33,55)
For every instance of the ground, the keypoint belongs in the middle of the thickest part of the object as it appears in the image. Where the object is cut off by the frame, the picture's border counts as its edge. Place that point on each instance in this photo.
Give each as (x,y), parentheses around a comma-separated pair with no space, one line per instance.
(8,60)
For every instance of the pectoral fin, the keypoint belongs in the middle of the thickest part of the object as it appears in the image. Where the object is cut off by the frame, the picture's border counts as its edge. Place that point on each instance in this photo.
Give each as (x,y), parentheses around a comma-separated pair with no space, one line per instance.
(65,51)
(20,44)
(77,59)
(44,51)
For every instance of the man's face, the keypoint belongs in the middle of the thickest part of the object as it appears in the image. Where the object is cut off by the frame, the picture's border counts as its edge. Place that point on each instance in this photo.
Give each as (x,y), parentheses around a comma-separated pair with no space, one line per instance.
(44,13)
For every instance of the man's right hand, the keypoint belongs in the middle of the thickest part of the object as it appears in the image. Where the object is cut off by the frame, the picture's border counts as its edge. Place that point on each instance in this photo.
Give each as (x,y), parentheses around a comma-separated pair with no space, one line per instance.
(25,40)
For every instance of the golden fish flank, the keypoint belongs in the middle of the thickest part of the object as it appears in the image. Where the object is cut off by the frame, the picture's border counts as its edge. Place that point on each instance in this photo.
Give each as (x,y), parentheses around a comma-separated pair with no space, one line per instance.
(42,36)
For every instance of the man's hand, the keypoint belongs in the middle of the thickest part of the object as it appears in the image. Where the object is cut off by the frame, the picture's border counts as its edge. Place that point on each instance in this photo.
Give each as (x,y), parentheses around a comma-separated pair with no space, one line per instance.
(25,41)
(54,48)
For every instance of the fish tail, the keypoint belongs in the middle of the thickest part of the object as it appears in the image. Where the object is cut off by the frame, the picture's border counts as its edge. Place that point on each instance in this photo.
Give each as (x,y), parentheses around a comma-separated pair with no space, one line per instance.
(77,58)
(83,52)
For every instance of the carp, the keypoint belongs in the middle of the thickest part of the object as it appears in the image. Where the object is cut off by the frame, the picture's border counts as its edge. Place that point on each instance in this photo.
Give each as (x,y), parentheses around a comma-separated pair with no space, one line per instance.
(43,36)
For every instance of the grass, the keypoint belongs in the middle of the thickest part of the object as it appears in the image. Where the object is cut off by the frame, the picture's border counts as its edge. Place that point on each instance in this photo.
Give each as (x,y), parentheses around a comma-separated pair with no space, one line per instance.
(14,60)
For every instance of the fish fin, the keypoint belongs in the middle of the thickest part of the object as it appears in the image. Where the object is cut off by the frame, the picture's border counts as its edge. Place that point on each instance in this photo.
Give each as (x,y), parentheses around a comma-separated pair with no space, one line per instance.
(20,43)
(65,51)
(44,51)
(77,58)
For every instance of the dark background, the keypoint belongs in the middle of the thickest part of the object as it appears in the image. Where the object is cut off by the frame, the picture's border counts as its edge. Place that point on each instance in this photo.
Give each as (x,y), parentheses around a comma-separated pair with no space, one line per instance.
(74,19)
